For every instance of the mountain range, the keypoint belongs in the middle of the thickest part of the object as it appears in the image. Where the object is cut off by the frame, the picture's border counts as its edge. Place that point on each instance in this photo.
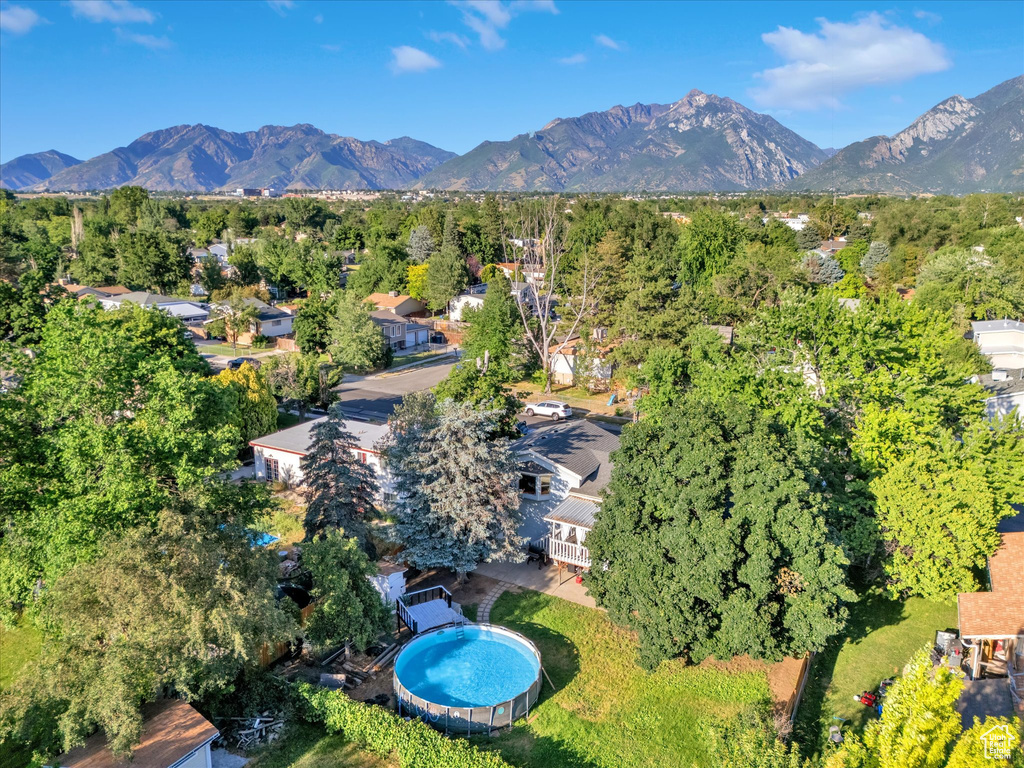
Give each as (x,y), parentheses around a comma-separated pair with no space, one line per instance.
(958,146)
(702,142)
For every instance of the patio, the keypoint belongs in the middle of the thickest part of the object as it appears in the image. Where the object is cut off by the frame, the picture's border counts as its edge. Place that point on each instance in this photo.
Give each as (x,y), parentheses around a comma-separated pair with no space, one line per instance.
(546,579)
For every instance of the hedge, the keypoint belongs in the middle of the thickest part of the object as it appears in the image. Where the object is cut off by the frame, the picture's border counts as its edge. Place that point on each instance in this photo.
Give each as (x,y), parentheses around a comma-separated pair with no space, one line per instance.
(383,733)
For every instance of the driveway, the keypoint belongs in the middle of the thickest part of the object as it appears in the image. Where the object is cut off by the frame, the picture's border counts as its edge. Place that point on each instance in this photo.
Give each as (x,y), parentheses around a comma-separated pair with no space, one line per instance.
(375,397)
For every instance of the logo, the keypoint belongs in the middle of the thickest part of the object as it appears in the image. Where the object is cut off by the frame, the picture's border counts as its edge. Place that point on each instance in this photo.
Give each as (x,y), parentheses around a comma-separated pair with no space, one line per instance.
(998,742)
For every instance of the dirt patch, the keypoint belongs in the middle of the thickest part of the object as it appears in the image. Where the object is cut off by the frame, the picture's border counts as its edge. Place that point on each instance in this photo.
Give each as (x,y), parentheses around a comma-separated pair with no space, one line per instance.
(472,592)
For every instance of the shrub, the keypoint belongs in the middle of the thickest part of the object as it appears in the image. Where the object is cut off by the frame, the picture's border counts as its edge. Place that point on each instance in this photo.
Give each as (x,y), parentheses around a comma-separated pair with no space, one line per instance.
(384,733)
(260,341)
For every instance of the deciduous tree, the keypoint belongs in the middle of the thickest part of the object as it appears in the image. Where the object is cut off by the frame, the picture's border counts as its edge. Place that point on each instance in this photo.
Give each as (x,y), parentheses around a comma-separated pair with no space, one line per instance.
(253,407)
(356,342)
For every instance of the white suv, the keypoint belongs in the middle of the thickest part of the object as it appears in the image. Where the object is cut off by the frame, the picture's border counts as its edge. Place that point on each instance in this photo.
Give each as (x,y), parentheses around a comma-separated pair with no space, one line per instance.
(552,408)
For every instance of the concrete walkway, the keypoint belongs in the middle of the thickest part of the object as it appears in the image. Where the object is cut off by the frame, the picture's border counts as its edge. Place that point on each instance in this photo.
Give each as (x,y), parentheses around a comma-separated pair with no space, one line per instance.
(529,576)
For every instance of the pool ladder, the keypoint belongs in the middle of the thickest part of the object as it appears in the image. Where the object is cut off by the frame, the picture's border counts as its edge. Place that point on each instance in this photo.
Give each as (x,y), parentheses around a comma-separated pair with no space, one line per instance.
(460,628)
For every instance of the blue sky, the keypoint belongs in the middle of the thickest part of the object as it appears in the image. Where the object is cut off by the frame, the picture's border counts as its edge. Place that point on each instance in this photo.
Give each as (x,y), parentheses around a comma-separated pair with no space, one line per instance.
(85,76)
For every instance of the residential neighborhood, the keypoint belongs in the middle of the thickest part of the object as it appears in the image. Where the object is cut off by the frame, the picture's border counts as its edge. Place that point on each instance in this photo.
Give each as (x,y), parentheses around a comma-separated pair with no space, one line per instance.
(409,409)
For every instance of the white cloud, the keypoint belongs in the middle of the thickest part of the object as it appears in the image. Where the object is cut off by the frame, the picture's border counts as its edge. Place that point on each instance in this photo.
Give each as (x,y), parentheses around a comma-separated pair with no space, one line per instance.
(409,59)
(152,42)
(114,11)
(280,6)
(931,18)
(576,58)
(448,37)
(487,17)
(607,42)
(18,20)
(841,58)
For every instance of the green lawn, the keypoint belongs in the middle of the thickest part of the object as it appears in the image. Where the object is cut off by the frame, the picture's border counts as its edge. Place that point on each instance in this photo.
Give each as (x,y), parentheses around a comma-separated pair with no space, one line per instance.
(225,349)
(607,712)
(879,640)
(17,648)
(285,420)
(417,357)
(306,746)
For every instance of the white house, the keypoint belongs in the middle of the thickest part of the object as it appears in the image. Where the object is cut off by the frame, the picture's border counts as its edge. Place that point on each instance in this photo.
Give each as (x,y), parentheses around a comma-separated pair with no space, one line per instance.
(474,298)
(563,468)
(1006,392)
(174,735)
(1001,341)
(189,312)
(565,363)
(278,456)
(531,273)
(271,321)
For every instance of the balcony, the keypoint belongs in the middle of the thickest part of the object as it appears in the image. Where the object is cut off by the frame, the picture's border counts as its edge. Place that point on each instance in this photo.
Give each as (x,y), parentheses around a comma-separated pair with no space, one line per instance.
(568,552)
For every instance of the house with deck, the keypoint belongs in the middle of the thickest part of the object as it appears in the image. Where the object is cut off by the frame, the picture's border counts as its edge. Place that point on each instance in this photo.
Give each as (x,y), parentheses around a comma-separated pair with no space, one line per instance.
(992,623)
(564,467)
(278,456)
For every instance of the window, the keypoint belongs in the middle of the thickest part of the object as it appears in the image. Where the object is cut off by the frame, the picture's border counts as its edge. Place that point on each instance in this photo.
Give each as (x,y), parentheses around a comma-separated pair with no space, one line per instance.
(537,486)
(362,457)
(273,469)
(276,322)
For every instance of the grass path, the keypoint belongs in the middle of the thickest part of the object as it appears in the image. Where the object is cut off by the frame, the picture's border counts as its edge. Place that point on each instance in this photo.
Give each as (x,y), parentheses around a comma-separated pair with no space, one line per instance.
(607,712)
(17,647)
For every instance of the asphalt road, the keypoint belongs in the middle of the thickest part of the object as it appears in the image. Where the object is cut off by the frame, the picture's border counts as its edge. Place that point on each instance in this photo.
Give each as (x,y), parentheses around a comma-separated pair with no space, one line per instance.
(375,397)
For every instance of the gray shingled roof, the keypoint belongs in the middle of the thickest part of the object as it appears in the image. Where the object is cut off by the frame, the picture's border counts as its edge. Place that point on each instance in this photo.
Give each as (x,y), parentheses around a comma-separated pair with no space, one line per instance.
(579,446)
(387,317)
(1014,382)
(297,439)
(574,511)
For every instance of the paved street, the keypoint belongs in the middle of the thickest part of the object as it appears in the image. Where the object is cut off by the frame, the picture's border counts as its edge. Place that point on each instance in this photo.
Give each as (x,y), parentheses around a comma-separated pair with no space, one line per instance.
(375,397)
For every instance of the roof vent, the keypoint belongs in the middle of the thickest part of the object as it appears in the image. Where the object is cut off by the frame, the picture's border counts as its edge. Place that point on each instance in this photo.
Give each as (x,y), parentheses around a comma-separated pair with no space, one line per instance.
(1000,374)
(393,294)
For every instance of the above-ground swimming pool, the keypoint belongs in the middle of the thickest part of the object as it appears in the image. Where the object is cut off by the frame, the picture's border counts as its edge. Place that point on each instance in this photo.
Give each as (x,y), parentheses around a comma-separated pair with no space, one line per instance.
(470,678)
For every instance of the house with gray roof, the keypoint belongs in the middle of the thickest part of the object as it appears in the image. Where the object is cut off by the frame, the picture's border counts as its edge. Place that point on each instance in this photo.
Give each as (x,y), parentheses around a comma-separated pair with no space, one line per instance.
(398,331)
(1001,341)
(564,468)
(278,456)
(189,312)
(1005,388)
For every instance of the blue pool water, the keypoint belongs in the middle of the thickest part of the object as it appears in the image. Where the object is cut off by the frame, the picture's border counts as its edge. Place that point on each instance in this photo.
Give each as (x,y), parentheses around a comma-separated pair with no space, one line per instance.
(482,669)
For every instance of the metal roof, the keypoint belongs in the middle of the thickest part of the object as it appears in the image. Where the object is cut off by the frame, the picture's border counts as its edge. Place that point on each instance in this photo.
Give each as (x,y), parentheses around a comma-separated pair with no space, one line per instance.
(298,438)
(574,511)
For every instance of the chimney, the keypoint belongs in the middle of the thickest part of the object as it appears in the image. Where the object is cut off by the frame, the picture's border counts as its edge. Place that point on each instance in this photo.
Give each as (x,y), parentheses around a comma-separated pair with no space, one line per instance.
(393,294)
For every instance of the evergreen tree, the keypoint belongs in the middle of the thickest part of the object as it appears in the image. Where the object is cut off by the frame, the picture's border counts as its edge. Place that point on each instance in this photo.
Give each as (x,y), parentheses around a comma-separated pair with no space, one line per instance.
(877,254)
(341,489)
(709,242)
(490,230)
(348,607)
(356,341)
(822,268)
(716,545)
(447,274)
(456,502)
(494,328)
(421,244)
(808,238)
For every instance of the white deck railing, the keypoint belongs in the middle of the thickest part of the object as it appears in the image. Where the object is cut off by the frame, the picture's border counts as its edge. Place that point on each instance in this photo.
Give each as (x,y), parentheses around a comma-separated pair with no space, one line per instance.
(564,551)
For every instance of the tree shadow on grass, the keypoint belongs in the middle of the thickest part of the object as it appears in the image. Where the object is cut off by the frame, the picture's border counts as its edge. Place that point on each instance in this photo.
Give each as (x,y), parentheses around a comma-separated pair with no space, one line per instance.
(871,612)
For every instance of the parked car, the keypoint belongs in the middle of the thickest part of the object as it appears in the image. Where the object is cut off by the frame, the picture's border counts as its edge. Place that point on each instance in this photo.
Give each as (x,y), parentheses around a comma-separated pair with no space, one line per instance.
(551,408)
(189,335)
(237,362)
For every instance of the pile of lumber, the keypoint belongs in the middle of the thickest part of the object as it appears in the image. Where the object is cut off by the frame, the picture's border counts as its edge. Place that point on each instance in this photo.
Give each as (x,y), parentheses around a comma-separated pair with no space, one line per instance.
(249,732)
(353,675)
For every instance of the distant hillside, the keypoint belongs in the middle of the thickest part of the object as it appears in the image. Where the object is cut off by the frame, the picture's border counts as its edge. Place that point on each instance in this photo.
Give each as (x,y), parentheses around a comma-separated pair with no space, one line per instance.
(202,158)
(958,146)
(701,142)
(27,170)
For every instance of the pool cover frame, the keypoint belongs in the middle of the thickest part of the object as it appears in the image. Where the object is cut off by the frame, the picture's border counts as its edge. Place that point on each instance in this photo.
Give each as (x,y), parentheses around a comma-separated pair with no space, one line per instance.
(469,720)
